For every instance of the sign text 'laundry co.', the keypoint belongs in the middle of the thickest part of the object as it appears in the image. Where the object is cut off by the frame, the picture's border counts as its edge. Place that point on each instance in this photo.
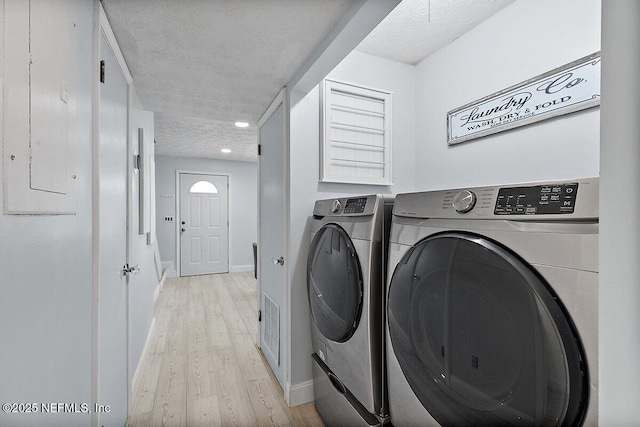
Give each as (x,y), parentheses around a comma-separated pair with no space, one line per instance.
(570,88)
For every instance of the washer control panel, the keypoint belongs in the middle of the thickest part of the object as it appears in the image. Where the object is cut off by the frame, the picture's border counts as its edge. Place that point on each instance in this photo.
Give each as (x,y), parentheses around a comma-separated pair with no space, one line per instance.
(355,206)
(537,200)
(348,206)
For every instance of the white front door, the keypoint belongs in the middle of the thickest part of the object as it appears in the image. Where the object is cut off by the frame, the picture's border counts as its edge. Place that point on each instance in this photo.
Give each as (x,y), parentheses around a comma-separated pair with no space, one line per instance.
(204,224)
(112,243)
(271,251)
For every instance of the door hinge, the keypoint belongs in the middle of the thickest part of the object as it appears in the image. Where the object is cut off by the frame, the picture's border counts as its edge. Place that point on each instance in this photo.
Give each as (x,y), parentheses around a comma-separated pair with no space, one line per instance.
(259,315)
(259,149)
(102,71)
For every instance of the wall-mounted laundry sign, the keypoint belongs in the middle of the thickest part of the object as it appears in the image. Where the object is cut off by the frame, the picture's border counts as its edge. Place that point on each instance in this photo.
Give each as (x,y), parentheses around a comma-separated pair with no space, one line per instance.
(566,89)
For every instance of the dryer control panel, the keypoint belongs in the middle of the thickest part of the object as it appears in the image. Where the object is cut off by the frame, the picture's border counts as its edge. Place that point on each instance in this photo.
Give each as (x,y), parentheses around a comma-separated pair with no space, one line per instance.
(576,199)
(537,200)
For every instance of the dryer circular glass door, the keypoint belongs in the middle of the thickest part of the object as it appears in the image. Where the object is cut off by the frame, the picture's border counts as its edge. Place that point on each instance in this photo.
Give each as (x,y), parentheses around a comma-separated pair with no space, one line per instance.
(334,283)
(482,339)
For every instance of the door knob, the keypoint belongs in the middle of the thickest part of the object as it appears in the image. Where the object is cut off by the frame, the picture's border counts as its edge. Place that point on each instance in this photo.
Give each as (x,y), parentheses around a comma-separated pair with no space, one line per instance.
(133,269)
(277,261)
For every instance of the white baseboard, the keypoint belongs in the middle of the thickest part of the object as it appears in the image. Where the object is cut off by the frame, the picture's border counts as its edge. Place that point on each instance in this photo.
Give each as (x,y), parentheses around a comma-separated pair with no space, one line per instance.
(167,266)
(145,349)
(160,286)
(241,268)
(298,394)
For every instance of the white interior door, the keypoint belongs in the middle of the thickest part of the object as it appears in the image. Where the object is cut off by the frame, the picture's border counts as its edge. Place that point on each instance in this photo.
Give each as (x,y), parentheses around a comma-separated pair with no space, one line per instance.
(112,242)
(271,252)
(204,224)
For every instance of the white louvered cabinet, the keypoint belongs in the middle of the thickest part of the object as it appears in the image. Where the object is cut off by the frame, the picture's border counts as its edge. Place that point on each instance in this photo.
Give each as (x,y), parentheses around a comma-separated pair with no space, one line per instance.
(356,134)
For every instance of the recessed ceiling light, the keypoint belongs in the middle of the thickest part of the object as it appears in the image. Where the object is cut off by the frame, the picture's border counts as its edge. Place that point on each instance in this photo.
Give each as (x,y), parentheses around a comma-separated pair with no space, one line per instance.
(242,124)
(225,150)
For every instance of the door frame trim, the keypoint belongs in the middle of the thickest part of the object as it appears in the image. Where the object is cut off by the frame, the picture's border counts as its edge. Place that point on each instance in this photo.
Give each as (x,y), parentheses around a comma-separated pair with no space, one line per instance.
(101,27)
(177,215)
(281,99)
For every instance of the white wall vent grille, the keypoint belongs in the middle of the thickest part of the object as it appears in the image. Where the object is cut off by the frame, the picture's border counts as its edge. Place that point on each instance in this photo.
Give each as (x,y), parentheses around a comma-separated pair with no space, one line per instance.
(271,338)
(356,134)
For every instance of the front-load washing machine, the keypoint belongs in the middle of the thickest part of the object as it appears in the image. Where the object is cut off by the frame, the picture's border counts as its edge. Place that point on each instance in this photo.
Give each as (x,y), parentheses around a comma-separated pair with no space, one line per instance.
(346,289)
(492,309)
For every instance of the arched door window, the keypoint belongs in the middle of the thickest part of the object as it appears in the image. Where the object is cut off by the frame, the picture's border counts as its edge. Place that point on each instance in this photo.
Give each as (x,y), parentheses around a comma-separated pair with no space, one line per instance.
(204,187)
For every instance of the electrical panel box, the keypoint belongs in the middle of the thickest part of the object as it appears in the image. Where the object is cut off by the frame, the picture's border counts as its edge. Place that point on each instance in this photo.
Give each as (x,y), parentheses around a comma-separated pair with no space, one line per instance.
(40,107)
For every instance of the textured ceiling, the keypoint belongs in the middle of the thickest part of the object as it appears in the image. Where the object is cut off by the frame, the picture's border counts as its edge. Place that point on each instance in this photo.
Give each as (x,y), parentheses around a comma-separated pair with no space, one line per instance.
(417,28)
(201,65)
(183,136)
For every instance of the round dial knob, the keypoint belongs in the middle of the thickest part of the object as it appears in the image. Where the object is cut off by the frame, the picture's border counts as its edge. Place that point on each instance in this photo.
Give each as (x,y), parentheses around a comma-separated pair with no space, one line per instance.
(464,201)
(335,206)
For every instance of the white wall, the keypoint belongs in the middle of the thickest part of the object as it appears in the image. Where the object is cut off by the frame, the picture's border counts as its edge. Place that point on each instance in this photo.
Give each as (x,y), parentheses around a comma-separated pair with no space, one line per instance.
(619,220)
(366,70)
(527,38)
(243,208)
(45,281)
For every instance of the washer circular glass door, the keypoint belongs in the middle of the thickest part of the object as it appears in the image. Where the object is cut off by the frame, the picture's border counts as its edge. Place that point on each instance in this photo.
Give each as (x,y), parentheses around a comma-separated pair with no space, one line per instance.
(334,283)
(481,339)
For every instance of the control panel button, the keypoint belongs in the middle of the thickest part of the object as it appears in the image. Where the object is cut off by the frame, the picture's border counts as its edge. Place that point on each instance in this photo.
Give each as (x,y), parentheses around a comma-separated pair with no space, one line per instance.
(464,201)
(335,206)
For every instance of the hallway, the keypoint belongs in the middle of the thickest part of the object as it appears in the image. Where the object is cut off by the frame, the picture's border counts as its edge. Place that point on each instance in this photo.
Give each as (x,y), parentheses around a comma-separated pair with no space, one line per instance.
(202,366)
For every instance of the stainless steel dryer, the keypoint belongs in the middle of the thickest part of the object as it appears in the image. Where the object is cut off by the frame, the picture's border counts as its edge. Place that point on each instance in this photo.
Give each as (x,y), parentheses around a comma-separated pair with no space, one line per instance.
(493,306)
(346,286)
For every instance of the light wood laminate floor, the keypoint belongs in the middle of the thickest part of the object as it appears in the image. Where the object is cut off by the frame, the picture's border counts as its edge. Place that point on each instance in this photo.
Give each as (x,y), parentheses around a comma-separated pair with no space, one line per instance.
(202,366)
